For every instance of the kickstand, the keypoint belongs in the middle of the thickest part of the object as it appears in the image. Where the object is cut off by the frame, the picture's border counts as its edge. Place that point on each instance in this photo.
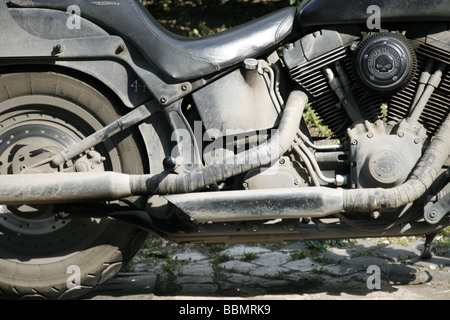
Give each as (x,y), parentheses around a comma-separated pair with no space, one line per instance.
(426,254)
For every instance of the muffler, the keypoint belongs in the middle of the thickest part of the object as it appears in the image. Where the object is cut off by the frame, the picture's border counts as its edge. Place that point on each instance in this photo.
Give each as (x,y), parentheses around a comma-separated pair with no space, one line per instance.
(263,204)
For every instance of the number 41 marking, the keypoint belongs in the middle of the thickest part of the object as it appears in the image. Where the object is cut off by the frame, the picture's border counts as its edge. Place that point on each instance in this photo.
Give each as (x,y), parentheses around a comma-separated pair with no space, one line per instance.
(138,86)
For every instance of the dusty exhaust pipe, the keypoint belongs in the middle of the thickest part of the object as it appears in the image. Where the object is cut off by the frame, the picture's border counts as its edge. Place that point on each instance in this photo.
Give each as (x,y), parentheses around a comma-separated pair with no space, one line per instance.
(283,203)
(298,202)
(73,187)
(317,201)
(256,157)
(60,188)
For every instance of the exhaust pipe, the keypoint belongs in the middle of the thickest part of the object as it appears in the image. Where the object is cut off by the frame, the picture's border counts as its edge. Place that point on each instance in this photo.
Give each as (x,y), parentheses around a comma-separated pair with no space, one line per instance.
(263,204)
(63,187)
(72,187)
(234,205)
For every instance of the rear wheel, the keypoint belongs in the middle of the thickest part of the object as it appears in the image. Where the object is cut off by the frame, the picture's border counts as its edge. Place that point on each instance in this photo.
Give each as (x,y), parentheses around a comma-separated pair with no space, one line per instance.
(40,255)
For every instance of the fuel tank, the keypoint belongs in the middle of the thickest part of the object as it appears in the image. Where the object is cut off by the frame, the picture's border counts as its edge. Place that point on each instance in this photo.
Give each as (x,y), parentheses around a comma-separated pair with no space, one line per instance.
(327,12)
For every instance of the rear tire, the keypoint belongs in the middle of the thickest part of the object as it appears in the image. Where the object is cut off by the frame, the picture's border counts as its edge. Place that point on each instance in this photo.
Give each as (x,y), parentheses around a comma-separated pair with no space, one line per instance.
(42,256)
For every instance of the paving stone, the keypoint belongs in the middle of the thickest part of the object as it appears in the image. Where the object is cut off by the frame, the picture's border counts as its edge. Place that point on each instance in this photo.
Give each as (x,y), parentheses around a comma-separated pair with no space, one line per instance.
(434,263)
(304,265)
(183,279)
(238,266)
(143,267)
(273,271)
(241,250)
(242,284)
(364,262)
(188,256)
(336,254)
(199,288)
(394,252)
(339,269)
(197,269)
(366,244)
(271,259)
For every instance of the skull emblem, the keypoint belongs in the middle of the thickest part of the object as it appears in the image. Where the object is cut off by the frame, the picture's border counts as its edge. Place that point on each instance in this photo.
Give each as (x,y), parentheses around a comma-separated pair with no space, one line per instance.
(384,63)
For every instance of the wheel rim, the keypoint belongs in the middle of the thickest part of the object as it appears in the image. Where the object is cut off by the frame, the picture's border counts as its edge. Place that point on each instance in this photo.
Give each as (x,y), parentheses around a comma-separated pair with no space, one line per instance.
(33,129)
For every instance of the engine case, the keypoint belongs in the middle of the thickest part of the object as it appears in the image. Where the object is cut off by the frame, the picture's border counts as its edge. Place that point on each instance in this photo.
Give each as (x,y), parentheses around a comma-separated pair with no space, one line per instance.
(382,155)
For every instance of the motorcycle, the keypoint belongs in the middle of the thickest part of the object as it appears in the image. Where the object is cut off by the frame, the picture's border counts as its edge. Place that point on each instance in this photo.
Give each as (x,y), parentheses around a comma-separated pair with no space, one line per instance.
(111,127)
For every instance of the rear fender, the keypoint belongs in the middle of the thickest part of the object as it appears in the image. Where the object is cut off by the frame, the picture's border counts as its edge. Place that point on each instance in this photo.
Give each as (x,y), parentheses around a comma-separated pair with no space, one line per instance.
(48,37)
(29,40)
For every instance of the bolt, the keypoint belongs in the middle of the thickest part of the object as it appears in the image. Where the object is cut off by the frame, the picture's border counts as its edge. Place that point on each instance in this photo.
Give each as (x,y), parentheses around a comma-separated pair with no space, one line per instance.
(184,87)
(120,49)
(354,142)
(282,161)
(375,214)
(57,49)
(401,134)
(369,135)
(163,100)
(417,140)
(432,215)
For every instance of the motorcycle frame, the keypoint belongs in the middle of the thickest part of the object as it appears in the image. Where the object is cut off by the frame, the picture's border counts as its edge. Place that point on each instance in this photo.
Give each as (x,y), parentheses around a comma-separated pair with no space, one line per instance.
(92,56)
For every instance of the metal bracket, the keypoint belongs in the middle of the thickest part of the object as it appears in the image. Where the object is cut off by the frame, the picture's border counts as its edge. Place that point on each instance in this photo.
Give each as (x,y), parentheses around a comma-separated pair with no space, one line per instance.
(186,150)
(437,211)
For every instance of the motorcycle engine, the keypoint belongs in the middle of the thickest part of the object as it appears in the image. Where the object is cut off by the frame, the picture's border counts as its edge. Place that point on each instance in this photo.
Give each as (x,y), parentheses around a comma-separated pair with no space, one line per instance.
(380,75)
(385,62)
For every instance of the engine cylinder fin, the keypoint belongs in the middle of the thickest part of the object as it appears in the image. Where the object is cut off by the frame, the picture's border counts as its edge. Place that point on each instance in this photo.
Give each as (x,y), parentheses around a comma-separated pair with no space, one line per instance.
(438,106)
(325,103)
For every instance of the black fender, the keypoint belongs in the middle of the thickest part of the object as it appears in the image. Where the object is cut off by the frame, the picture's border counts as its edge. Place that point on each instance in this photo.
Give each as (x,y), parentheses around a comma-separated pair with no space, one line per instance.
(50,28)
(106,56)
